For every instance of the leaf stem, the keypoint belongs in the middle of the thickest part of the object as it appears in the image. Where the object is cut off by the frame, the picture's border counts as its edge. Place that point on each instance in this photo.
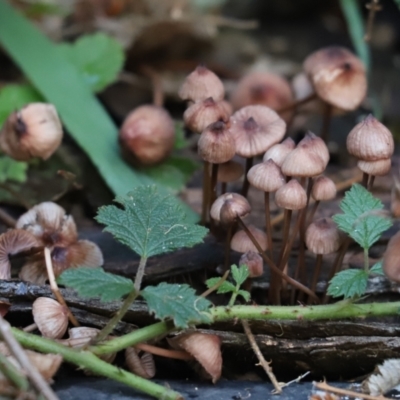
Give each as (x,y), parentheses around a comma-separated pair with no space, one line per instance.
(366,260)
(12,374)
(87,360)
(140,274)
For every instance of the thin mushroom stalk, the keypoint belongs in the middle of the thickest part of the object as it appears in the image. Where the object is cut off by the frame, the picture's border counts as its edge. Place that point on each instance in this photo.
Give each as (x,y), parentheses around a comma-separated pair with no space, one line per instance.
(326,121)
(317,271)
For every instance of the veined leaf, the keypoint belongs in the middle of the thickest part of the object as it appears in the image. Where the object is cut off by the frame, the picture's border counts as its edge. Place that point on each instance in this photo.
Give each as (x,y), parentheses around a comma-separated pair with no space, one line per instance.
(377,269)
(150,222)
(178,302)
(95,282)
(245,294)
(348,283)
(11,170)
(99,58)
(240,274)
(226,286)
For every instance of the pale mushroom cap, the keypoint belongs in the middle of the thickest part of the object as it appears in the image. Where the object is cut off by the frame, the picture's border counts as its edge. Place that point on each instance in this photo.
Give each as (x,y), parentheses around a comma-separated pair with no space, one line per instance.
(266,176)
(291,196)
(376,168)
(314,143)
(147,135)
(237,203)
(230,171)
(33,131)
(143,365)
(279,151)
(217,144)
(256,129)
(50,317)
(254,263)
(201,84)
(395,197)
(323,189)
(323,236)
(370,140)
(203,113)
(391,258)
(49,223)
(302,162)
(338,77)
(241,242)
(13,242)
(34,272)
(263,88)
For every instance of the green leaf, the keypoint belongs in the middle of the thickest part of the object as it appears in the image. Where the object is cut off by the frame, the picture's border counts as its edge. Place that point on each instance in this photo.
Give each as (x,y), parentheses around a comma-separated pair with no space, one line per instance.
(150,222)
(377,269)
(226,286)
(13,97)
(362,218)
(180,140)
(11,170)
(348,283)
(95,282)
(178,302)
(245,294)
(98,57)
(240,274)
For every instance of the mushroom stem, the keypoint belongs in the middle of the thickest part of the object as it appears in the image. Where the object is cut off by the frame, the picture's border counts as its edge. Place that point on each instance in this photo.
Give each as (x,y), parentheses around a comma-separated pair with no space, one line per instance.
(159,351)
(54,286)
(156,82)
(317,271)
(223,187)
(272,265)
(297,103)
(214,177)
(228,246)
(365,180)
(287,216)
(246,184)
(268,226)
(312,212)
(30,328)
(7,219)
(206,191)
(371,182)
(327,116)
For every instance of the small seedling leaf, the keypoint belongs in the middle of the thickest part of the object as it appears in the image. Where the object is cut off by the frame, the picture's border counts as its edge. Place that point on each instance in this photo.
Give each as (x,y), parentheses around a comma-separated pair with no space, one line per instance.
(349,283)
(240,274)
(11,170)
(377,269)
(178,302)
(245,294)
(98,57)
(95,282)
(150,222)
(225,287)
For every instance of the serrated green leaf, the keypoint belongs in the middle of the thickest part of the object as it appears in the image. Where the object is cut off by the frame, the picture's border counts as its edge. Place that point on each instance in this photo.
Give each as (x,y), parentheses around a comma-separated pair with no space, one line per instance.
(11,170)
(349,283)
(225,287)
(377,269)
(98,57)
(240,274)
(150,222)
(13,97)
(245,294)
(95,282)
(178,302)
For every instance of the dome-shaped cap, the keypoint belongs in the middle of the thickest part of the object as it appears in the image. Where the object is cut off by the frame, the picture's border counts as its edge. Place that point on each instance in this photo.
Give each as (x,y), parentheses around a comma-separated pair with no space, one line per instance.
(241,242)
(202,84)
(217,144)
(314,143)
(263,88)
(254,263)
(256,129)
(323,189)
(302,162)
(237,206)
(376,168)
(203,113)
(323,236)
(291,196)
(338,77)
(279,151)
(266,176)
(370,140)
(391,258)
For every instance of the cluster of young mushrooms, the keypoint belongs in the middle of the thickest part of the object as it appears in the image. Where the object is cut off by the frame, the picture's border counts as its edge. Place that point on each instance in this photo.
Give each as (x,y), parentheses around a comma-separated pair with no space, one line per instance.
(252,125)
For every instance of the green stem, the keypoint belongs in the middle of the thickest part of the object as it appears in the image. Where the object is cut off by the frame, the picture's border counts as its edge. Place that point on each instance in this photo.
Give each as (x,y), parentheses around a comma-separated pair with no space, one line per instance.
(87,360)
(112,323)
(366,260)
(12,374)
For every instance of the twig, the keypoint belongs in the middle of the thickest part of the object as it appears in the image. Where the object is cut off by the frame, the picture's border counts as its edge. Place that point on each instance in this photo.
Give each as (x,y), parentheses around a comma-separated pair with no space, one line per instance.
(297,380)
(7,219)
(224,277)
(54,286)
(263,362)
(30,370)
(329,388)
(373,7)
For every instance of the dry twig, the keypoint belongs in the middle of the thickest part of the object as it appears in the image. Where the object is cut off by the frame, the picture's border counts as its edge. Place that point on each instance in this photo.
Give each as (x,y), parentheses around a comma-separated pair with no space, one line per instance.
(345,392)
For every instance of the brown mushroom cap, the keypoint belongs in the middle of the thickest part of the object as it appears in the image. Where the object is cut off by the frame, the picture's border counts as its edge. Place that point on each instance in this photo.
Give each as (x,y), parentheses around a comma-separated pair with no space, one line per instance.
(241,242)
(229,206)
(256,129)
(391,258)
(370,140)
(291,196)
(230,171)
(323,189)
(263,88)
(203,113)
(202,84)
(338,77)
(266,176)
(217,144)
(323,236)
(376,168)
(254,263)
(279,151)
(302,162)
